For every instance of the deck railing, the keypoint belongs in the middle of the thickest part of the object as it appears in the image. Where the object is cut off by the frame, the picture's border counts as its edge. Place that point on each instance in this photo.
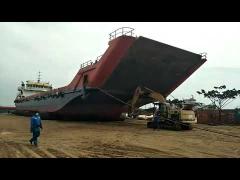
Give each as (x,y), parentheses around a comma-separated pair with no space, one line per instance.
(123,31)
(85,64)
(90,62)
(204,55)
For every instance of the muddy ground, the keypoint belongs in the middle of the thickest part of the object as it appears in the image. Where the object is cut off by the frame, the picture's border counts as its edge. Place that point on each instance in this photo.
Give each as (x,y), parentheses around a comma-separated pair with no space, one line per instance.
(128,138)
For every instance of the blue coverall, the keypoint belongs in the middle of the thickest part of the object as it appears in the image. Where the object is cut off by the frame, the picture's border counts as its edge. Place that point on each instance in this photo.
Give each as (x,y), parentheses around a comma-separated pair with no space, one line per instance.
(36,124)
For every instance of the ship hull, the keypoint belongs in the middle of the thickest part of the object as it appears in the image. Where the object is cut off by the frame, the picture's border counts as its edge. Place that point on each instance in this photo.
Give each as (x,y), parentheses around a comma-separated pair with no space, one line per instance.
(129,62)
(91,104)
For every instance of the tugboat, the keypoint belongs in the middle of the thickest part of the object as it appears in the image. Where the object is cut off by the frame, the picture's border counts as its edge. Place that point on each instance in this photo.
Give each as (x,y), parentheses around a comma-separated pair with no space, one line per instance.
(103,88)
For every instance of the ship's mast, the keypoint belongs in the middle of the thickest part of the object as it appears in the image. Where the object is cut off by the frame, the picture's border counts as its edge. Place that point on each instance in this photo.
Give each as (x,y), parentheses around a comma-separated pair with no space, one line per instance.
(39,76)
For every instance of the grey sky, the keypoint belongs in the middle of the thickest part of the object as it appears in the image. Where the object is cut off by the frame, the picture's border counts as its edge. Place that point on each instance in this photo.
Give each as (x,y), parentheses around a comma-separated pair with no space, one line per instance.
(58,49)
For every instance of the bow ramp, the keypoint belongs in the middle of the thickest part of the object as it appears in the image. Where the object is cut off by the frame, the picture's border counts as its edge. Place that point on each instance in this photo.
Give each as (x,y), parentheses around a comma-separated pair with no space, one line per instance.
(155,65)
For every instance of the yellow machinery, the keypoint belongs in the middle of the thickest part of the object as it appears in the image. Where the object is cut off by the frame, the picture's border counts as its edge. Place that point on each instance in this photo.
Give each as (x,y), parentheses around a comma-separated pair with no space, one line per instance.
(166,115)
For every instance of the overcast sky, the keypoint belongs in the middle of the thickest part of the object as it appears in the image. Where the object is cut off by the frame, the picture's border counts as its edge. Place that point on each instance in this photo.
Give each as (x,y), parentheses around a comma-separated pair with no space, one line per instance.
(58,49)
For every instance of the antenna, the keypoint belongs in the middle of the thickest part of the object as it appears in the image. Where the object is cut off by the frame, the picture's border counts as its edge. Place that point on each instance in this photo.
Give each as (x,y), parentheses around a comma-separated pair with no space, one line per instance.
(39,76)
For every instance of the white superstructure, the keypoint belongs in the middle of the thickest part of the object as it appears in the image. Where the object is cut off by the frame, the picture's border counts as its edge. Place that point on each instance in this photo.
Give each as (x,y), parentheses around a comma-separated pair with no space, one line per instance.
(33,87)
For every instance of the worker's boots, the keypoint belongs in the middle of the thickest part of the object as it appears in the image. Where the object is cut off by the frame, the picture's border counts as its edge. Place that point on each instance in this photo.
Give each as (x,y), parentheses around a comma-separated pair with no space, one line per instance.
(35,144)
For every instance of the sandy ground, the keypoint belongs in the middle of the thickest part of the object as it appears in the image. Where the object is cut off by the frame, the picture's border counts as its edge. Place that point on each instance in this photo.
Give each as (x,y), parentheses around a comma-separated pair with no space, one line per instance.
(128,138)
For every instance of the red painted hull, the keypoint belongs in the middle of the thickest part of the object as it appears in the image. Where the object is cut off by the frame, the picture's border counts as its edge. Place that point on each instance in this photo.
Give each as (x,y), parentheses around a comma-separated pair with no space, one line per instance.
(7,108)
(127,63)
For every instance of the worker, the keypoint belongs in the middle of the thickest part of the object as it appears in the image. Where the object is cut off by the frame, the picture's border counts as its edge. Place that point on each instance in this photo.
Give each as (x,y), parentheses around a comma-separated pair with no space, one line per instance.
(36,124)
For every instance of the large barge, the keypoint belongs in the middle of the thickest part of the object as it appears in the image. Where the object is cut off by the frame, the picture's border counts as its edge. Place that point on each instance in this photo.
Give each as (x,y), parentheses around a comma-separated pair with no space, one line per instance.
(100,88)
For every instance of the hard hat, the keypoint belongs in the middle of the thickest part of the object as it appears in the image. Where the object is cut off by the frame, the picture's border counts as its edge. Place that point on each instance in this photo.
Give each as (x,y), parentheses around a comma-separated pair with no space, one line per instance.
(37,114)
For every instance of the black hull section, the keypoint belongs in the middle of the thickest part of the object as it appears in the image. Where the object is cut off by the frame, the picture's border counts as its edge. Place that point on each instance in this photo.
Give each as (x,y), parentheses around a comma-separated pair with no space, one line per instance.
(155,65)
(92,105)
